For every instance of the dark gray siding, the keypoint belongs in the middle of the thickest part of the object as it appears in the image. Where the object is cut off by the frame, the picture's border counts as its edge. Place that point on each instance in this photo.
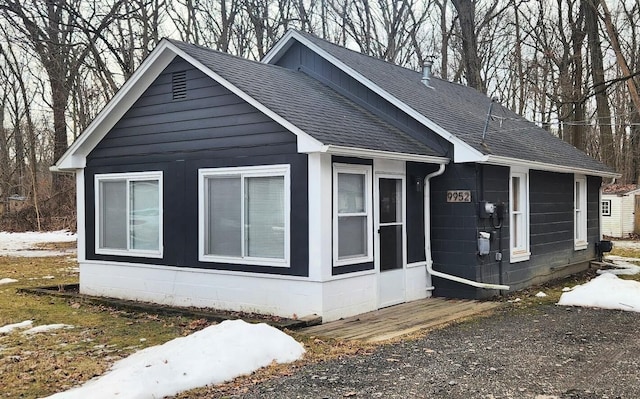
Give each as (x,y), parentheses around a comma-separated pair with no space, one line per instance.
(415,210)
(551,206)
(301,58)
(454,230)
(212,127)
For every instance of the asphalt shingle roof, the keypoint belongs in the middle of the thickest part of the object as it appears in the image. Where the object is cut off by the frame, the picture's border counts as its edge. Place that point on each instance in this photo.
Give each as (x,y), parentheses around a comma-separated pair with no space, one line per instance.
(308,104)
(462,111)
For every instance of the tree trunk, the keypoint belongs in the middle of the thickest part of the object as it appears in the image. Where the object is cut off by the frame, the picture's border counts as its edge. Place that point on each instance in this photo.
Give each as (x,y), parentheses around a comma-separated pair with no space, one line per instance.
(597,75)
(578,34)
(466,18)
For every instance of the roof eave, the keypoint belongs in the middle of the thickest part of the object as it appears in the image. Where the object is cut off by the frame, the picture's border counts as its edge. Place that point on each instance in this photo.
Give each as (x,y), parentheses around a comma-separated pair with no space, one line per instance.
(505,161)
(369,153)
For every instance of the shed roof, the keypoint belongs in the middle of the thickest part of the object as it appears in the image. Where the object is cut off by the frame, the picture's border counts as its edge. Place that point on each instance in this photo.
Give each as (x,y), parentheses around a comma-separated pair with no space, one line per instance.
(620,189)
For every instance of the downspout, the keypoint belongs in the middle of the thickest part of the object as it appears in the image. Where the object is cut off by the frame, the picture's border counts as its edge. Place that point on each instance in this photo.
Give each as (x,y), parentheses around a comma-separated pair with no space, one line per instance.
(427,242)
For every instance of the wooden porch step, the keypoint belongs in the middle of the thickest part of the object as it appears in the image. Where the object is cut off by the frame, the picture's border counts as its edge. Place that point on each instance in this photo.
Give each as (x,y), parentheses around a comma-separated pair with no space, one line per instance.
(398,320)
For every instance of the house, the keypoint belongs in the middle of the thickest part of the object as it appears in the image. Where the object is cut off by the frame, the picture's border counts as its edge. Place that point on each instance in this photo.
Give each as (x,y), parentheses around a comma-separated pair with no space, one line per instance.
(620,210)
(320,181)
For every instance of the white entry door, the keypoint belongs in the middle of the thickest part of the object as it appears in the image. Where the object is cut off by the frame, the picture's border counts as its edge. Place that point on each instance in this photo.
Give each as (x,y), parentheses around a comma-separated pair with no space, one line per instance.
(390,240)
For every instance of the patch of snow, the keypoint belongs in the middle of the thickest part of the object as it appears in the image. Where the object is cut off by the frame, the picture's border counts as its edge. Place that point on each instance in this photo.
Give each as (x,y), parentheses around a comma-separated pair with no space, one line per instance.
(10,327)
(23,244)
(46,328)
(213,355)
(541,294)
(567,289)
(8,281)
(621,267)
(606,291)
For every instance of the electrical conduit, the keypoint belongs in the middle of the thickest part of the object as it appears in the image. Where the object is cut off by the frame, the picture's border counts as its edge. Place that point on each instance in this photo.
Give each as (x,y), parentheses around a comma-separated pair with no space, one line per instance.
(427,242)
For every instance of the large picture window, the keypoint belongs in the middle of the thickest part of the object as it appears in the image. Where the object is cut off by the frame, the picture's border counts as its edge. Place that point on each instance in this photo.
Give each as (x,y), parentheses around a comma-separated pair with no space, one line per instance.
(244,215)
(519,216)
(580,212)
(129,214)
(352,229)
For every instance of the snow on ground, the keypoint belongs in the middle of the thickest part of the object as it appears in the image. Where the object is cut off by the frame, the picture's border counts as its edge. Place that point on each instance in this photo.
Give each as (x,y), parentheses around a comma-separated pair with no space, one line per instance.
(606,291)
(10,327)
(622,266)
(8,281)
(24,244)
(216,354)
(46,328)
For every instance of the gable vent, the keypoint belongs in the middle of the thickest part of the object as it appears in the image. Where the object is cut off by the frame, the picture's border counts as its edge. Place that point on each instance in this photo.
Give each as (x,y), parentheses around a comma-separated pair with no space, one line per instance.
(179,85)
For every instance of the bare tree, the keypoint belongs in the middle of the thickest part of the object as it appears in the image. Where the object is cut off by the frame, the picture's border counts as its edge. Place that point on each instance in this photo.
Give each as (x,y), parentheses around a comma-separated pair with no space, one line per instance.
(50,30)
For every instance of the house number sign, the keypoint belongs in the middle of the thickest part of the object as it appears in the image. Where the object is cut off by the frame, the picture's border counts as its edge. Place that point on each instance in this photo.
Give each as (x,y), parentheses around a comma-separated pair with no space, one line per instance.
(458,196)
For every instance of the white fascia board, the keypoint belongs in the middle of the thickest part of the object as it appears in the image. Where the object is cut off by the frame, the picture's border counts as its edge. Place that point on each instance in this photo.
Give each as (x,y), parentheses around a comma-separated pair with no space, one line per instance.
(463,152)
(513,162)
(75,157)
(280,47)
(305,141)
(366,153)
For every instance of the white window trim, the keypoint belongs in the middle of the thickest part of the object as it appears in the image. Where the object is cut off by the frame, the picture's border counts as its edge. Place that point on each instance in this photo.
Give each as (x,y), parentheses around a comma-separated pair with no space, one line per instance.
(523,253)
(365,170)
(244,171)
(129,177)
(580,238)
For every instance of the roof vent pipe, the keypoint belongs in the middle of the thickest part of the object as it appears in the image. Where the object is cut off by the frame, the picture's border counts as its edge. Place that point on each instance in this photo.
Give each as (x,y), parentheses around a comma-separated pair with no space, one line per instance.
(426,70)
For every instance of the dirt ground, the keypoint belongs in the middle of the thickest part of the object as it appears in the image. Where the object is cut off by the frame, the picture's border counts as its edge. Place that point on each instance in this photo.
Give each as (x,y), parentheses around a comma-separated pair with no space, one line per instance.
(544,352)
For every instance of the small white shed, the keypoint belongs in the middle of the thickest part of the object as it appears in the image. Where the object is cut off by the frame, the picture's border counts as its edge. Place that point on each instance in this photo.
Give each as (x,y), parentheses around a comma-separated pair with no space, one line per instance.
(620,209)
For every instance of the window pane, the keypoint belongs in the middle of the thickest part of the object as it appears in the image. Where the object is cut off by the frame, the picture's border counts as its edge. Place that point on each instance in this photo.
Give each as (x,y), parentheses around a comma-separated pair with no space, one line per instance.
(517,225)
(264,217)
(352,236)
(351,193)
(390,200)
(515,194)
(145,211)
(113,214)
(224,212)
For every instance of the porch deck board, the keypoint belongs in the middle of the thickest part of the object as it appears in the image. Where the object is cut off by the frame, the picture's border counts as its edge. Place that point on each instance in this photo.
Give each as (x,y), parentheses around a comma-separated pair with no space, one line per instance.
(398,320)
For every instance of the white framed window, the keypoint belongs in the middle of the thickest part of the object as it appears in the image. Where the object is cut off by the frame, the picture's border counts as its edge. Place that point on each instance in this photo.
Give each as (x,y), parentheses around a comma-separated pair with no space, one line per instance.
(128,215)
(352,220)
(580,212)
(244,215)
(519,215)
(605,207)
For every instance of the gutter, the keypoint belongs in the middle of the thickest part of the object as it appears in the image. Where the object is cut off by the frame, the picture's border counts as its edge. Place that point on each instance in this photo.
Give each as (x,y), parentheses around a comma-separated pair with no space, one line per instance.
(427,242)
(505,161)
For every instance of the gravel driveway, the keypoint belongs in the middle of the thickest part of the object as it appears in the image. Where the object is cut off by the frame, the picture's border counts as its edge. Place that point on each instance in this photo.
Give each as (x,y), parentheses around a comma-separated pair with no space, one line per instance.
(545,352)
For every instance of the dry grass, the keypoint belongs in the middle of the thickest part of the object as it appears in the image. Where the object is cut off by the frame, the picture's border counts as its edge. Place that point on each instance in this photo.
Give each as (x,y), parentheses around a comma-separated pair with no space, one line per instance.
(42,364)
